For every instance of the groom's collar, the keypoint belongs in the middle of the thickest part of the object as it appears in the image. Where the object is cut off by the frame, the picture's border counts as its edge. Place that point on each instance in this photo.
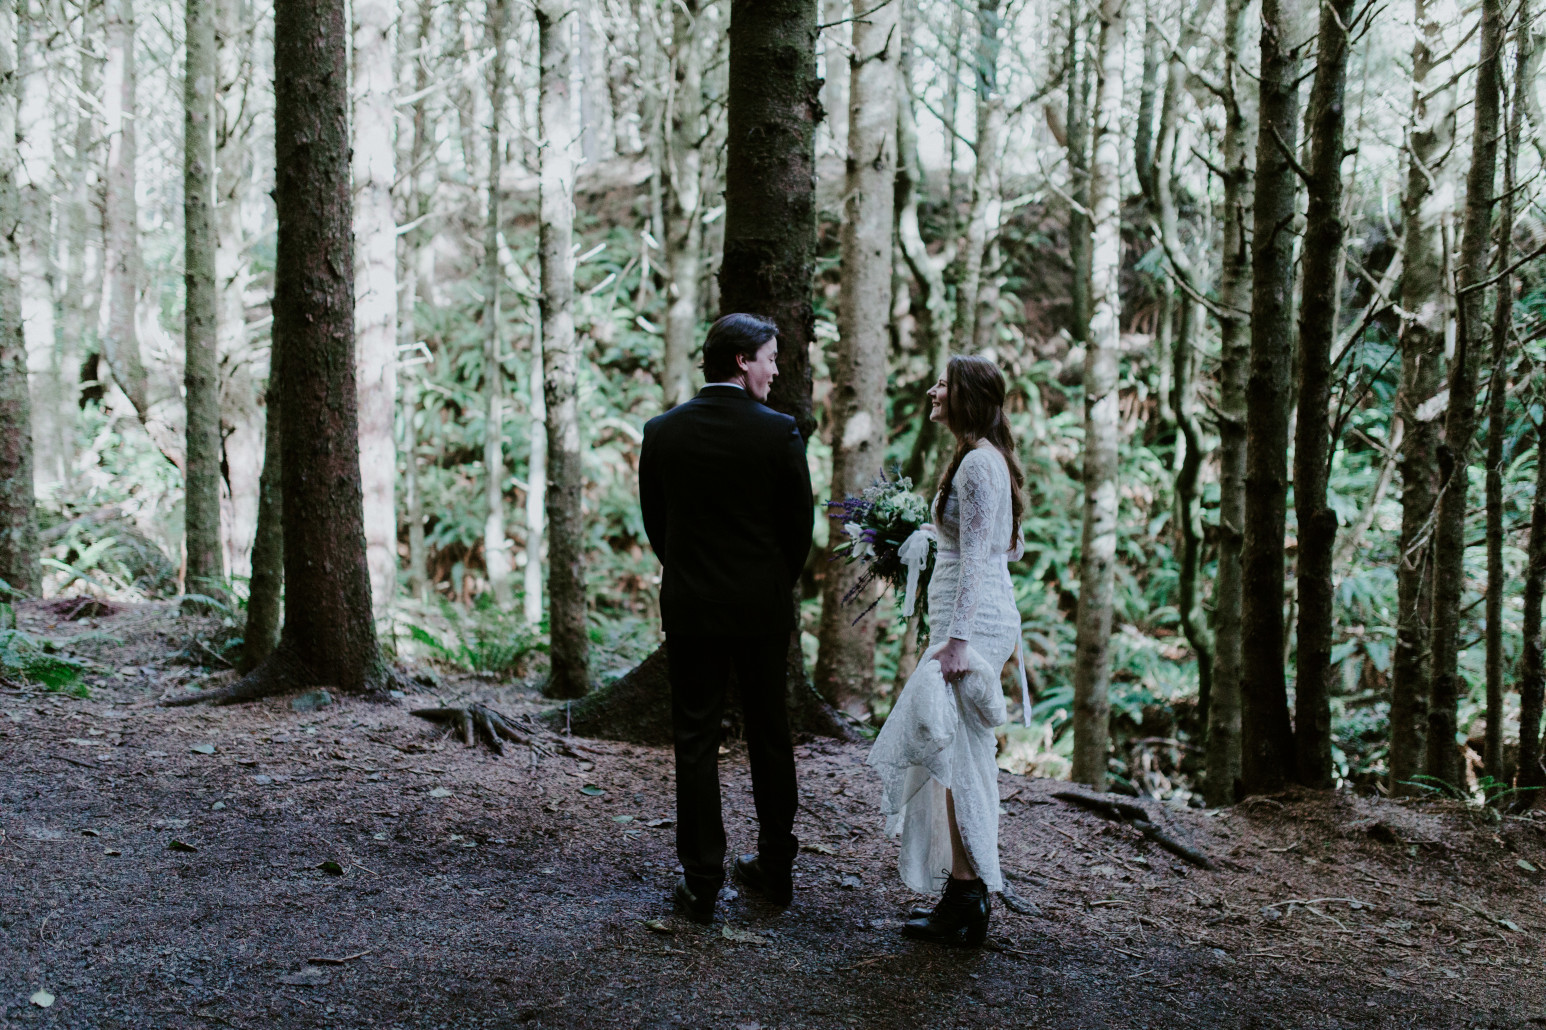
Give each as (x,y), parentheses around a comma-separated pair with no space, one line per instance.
(724,390)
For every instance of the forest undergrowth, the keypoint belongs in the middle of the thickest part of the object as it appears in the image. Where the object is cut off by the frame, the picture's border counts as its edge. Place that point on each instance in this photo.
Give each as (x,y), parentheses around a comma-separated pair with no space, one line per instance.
(331,862)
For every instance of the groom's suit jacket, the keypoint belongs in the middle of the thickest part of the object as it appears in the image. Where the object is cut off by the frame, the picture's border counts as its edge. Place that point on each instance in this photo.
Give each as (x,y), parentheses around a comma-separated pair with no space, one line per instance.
(727,506)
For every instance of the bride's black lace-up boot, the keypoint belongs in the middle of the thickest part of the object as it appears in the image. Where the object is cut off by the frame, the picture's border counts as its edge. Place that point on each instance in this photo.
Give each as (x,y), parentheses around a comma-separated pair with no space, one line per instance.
(960,918)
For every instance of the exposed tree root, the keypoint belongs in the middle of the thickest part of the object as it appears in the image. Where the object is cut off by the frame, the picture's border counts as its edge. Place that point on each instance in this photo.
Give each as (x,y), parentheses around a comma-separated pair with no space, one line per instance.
(478,722)
(1137,817)
(637,707)
(280,673)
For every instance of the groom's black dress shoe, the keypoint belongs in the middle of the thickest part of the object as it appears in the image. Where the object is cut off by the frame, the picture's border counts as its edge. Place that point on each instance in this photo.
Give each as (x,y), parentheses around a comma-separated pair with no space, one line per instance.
(960,918)
(698,909)
(777,886)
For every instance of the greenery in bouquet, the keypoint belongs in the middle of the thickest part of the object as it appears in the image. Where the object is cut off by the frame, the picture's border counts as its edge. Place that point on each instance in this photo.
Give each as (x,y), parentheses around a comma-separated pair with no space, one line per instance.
(875,524)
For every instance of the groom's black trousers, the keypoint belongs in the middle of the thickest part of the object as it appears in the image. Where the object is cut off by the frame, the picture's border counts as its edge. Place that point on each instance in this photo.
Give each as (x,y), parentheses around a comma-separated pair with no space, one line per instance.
(700,667)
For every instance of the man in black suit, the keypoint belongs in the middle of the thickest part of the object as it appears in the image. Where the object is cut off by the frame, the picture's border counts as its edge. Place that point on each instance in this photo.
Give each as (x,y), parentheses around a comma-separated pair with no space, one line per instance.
(727,505)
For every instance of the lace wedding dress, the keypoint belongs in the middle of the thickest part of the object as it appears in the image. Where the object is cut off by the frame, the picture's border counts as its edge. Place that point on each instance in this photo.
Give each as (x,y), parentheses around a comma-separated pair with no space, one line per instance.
(939,736)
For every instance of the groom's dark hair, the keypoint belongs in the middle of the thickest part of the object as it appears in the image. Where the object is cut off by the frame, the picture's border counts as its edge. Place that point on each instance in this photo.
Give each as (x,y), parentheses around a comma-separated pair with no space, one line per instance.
(734,334)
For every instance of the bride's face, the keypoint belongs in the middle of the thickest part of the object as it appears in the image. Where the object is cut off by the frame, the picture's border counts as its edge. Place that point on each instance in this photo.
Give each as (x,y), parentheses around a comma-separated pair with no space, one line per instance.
(938,401)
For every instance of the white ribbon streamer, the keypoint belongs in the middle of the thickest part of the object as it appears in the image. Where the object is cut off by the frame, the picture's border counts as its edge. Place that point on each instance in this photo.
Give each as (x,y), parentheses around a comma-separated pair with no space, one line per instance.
(914,553)
(1025,690)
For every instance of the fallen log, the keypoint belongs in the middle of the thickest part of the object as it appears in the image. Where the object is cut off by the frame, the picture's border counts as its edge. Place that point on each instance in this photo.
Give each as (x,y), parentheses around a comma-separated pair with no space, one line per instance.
(1137,817)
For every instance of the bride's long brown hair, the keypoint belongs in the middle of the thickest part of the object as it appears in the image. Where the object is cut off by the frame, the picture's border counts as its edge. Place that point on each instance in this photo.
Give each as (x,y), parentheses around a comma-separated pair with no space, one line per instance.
(974,411)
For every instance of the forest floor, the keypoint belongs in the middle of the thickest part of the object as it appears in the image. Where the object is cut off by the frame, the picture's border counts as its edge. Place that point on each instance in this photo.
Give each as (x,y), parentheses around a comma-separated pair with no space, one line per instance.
(350,866)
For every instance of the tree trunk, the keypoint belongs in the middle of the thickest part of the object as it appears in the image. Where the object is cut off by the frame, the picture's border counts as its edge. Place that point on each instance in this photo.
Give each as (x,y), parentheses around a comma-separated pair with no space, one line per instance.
(1497,404)
(832,132)
(1079,72)
(120,221)
(265,590)
(1267,745)
(1444,762)
(375,285)
(845,662)
(19,551)
(1530,671)
(1097,552)
(201,371)
(536,480)
(1144,140)
(1221,785)
(328,637)
(932,309)
(1532,667)
(683,174)
(242,426)
(769,261)
(419,185)
(496,548)
(1312,439)
(37,181)
(1178,389)
(1430,136)
(570,645)
(987,203)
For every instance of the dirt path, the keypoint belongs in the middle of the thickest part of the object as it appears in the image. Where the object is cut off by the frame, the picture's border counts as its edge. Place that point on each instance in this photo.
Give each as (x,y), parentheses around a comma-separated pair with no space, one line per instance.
(471,892)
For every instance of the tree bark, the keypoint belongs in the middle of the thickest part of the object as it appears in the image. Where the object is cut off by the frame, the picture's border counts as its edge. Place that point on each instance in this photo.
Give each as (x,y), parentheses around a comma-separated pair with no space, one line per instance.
(1179,387)
(265,590)
(570,645)
(375,285)
(201,372)
(932,310)
(419,186)
(1443,759)
(536,480)
(496,547)
(37,182)
(1430,136)
(1144,135)
(683,175)
(1079,72)
(769,261)
(241,418)
(1312,439)
(328,636)
(1223,757)
(1097,552)
(982,224)
(120,220)
(1532,662)
(19,552)
(1267,745)
(1497,405)
(845,662)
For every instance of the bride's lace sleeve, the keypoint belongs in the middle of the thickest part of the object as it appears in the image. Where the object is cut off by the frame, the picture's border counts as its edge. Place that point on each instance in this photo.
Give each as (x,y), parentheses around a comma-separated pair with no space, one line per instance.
(977,489)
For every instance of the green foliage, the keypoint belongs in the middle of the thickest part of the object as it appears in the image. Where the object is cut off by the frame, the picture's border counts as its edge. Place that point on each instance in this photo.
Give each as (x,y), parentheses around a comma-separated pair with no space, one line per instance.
(483,640)
(33,660)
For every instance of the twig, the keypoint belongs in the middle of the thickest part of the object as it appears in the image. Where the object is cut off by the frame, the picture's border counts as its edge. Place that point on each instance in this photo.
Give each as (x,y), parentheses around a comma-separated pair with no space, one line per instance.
(1137,817)
(324,961)
(76,761)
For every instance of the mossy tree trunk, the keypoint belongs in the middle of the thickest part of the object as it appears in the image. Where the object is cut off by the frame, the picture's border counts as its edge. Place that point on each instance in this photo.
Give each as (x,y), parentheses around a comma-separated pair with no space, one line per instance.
(201,371)
(496,548)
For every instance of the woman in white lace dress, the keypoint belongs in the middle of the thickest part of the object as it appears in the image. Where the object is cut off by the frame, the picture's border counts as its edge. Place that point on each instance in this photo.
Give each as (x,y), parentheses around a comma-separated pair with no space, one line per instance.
(936,753)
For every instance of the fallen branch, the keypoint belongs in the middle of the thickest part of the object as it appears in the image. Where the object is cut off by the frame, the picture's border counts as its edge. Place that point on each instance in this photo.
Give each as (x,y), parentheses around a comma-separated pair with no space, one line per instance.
(1137,817)
(325,961)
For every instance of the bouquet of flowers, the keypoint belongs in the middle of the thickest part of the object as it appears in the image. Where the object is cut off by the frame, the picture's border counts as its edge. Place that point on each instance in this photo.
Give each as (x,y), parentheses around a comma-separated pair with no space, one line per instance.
(877,524)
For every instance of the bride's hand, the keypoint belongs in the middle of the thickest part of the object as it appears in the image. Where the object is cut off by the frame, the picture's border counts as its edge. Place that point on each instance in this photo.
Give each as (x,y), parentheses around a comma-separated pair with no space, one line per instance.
(952,660)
